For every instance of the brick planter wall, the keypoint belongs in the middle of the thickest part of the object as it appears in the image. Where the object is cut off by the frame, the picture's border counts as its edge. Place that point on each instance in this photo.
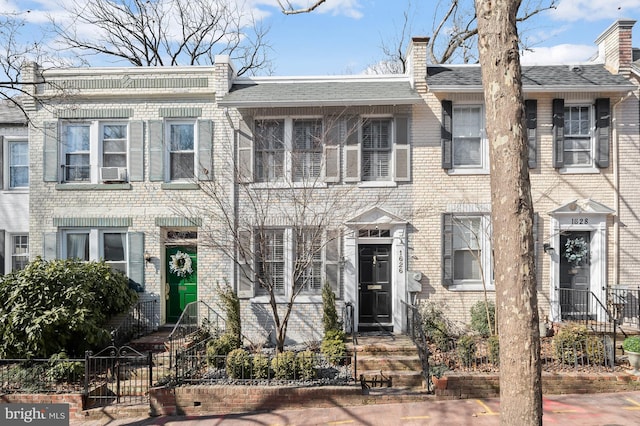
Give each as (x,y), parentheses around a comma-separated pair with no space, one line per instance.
(459,386)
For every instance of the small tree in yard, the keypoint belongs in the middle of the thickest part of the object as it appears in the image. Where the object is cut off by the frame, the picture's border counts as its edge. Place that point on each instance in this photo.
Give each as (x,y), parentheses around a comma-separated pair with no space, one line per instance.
(60,305)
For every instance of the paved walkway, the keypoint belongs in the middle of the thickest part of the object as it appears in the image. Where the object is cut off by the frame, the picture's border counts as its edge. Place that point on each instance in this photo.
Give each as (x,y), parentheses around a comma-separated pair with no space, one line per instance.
(563,410)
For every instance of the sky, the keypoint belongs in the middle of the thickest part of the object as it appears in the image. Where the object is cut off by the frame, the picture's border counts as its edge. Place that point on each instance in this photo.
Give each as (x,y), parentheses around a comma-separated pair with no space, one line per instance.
(345,36)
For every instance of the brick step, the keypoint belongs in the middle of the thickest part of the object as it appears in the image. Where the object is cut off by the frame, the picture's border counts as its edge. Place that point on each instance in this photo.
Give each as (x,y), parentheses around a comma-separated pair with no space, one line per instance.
(399,379)
(390,363)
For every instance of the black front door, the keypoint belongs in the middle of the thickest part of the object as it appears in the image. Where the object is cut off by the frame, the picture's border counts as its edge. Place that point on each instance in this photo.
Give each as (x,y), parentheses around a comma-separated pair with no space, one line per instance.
(574,276)
(374,283)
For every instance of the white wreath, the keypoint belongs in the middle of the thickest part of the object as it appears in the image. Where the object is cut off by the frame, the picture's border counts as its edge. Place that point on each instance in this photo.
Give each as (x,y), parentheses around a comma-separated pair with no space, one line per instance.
(180,264)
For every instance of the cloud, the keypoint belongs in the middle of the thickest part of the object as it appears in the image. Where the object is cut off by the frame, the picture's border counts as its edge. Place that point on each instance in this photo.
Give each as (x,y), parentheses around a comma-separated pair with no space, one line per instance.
(559,54)
(594,10)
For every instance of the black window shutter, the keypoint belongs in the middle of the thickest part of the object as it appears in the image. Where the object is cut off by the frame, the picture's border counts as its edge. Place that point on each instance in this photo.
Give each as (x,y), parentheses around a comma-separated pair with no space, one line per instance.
(558,133)
(603,118)
(531,116)
(446,137)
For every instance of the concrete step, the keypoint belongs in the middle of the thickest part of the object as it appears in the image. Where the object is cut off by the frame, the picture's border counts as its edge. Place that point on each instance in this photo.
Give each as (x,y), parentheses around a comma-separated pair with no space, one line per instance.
(390,363)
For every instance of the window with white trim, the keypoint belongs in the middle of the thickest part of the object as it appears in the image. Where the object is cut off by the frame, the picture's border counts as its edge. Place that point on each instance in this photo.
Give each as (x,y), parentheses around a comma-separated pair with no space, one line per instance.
(95,244)
(18,164)
(307,149)
(88,146)
(182,148)
(376,148)
(270,258)
(466,254)
(578,132)
(308,255)
(270,150)
(469,145)
(19,251)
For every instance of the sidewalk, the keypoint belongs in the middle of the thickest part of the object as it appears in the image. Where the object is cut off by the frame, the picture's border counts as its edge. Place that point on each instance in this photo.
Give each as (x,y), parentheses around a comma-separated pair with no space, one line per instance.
(566,410)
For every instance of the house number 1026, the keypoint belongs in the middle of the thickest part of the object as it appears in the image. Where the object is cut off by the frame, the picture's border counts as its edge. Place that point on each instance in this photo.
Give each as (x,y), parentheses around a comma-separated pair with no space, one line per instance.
(579,221)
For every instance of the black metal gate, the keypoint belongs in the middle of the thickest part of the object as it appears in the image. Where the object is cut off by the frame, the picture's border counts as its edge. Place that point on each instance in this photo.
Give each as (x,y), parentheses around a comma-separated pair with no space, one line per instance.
(117,375)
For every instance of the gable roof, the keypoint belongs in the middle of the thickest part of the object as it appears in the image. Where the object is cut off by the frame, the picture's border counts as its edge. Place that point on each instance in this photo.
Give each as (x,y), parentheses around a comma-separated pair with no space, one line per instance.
(544,78)
(363,90)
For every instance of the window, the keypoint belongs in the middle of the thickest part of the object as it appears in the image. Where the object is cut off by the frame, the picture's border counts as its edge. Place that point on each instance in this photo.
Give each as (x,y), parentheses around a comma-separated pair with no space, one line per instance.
(270,258)
(89,146)
(308,268)
(181,150)
(18,164)
(578,144)
(376,149)
(19,252)
(94,244)
(466,254)
(270,149)
(468,144)
(307,149)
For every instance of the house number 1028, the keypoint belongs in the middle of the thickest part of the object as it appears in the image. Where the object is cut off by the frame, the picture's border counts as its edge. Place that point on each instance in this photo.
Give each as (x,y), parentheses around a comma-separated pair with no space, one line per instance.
(579,221)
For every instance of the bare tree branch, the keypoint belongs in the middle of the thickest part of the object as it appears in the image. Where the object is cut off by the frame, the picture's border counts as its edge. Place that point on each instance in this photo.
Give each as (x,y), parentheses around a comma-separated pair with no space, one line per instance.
(164,33)
(289,9)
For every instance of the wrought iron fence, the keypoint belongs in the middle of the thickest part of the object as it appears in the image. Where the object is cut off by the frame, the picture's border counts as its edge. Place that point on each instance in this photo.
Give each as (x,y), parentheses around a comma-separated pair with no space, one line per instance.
(42,375)
(624,303)
(417,334)
(139,321)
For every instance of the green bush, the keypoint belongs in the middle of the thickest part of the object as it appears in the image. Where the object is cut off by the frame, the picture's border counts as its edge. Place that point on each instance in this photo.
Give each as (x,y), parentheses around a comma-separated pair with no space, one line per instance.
(260,366)
(333,346)
(60,369)
(231,306)
(238,364)
(305,365)
(284,365)
(631,344)
(60,306)
(569,343)
(219,347)
(479,322)
(466,349)
(329,314)
(493,344)
(595,350)
(436,327)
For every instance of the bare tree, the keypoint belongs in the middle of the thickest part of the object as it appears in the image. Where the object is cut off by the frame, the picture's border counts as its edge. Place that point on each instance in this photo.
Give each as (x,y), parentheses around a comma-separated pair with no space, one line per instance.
(168,32)
(512,210)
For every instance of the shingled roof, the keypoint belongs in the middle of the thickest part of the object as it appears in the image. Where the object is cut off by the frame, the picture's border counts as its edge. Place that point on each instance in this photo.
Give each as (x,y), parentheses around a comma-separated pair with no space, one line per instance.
(11,114)
(392,90)
(461,78)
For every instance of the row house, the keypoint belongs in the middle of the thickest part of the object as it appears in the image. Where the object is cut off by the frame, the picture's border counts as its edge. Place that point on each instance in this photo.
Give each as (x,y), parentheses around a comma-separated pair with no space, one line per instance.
(187,178)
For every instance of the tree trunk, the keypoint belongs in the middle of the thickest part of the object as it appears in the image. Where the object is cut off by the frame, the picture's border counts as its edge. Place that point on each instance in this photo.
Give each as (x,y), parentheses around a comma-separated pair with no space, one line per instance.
(512,212)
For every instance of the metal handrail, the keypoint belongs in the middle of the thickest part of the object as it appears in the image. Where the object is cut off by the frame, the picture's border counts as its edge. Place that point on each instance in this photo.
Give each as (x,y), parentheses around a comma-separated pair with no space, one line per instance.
(137,323)
(348,315)
(419,338)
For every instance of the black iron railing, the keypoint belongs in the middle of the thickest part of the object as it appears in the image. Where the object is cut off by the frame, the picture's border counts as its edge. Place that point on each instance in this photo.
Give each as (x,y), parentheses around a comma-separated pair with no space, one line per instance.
(348,313)
(624,304)
(415,330)
(139,321)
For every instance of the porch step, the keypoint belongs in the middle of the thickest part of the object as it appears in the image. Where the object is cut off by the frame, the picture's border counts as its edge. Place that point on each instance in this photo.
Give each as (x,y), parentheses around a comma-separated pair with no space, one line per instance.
(154,342)
(387,360)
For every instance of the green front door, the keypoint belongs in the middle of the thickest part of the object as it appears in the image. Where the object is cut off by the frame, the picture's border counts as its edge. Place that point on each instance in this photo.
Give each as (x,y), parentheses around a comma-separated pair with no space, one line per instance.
(182,280)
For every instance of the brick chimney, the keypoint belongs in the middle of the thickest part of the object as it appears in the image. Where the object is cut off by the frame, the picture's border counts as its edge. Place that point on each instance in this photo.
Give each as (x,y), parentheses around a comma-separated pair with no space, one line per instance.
(614,46)
(224,75)
(417,63)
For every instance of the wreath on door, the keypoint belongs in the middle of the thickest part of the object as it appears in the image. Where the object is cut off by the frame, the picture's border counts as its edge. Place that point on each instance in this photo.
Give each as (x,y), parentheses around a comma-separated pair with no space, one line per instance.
(180,264)
(575,250)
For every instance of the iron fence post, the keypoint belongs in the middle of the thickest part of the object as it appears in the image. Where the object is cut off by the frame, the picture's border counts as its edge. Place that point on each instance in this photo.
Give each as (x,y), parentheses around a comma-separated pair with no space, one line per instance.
(87,355)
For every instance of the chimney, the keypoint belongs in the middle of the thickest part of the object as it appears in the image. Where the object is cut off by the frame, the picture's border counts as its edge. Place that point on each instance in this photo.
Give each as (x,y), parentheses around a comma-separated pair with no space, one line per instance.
(31,75)
(416,66)
(614,46)
(224,75)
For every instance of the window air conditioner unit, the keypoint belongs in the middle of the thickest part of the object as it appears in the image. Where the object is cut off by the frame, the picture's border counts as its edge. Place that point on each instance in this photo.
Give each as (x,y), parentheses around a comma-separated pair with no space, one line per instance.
(113,174)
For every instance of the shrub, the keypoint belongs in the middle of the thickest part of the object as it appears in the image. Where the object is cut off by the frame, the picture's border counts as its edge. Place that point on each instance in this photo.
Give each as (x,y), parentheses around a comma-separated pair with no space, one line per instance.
(238,364)
(493,344)
(231,307)
(284,365)
(631,344)
(569,343)
(436,327)
(60,306)
(329,313)
(219,347)
(333,346)
(482,322)
(305,365)
(466,350)
(595,350)
(60,369)
(260,366)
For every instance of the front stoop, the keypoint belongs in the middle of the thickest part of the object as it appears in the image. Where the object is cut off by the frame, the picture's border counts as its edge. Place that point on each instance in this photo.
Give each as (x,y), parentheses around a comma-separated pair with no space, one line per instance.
(388,361)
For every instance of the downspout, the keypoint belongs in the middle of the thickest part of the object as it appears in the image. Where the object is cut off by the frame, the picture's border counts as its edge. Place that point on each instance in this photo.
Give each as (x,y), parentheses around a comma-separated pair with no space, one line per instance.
(616,188)
(235,281)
